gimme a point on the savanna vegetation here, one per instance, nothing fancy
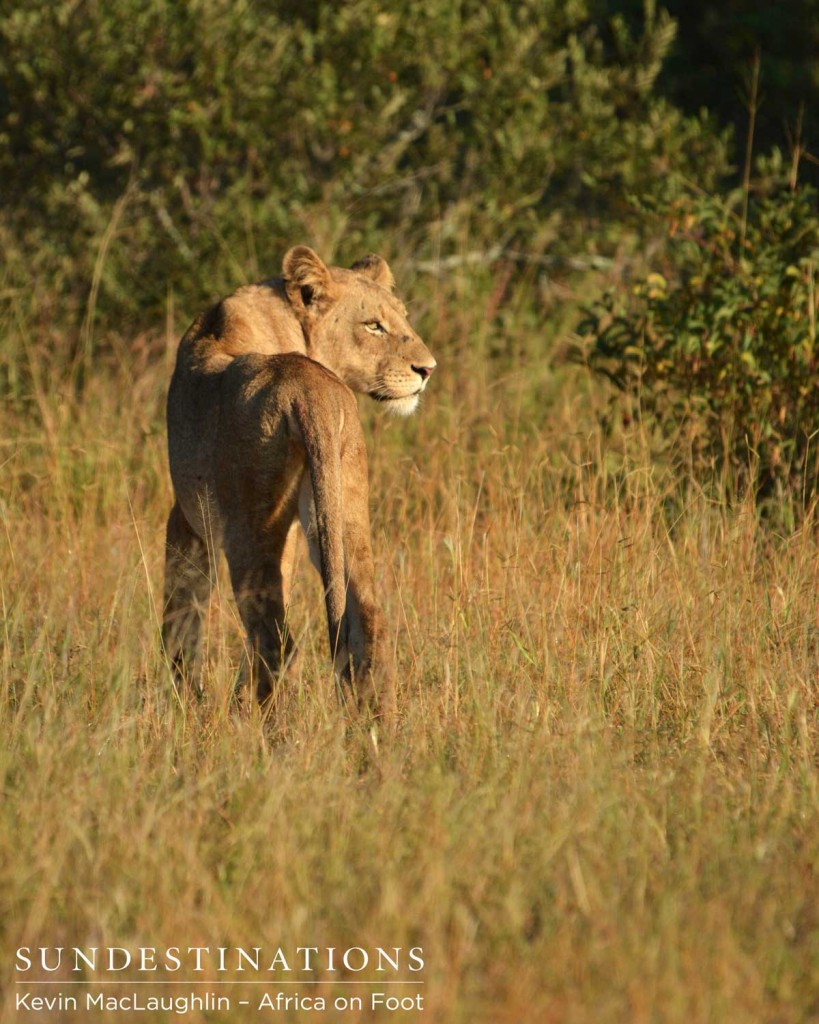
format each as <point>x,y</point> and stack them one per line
<point>596,542</point>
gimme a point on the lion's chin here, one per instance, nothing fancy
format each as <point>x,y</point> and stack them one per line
<point>402,406</point>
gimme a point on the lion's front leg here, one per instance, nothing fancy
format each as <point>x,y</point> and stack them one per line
<point>370,672</point>
<point>362,659</point>
<point>340,651</point>
<point>370,654</point>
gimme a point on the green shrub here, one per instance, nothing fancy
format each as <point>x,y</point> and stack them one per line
<point>721,347</point>
<point>148,146</point>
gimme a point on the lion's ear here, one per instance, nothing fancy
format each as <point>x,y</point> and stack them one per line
<point>376,268</point>
<point>306,276</point>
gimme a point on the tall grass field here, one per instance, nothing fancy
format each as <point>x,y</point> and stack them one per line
<point>600,804</point>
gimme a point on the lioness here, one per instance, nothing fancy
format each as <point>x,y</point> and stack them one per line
<point>263,431</point>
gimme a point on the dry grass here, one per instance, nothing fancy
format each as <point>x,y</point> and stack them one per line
<point>602,802</point>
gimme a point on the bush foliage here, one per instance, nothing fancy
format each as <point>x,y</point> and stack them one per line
<point>188,144</point>
<point>726,352</point>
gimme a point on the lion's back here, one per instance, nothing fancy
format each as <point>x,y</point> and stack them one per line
<point>235,432</point>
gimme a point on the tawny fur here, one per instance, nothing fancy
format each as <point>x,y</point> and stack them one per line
<point>264,434</point>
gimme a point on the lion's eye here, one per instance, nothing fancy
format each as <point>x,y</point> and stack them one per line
<point>375,327</point>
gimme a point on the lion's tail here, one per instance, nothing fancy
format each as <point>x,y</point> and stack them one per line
<point>323,446</point>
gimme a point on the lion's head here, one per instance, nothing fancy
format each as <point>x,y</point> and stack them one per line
<point>357,327</point>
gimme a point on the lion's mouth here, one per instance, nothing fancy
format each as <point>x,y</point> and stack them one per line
<point>399,405</point>
<point>381,397</point>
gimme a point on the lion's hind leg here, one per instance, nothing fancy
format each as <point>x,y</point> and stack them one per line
<point>258,570</point>
<point>188,586</point>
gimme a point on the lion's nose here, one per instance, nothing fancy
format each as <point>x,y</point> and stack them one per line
<point>424,371</point>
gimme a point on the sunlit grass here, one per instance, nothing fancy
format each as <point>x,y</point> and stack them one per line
<point>601,801</point>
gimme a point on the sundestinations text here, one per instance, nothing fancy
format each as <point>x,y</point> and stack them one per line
<point>222,959</point>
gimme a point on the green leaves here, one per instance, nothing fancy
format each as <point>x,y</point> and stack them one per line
<point>731,343</point>
<point>447,125</point>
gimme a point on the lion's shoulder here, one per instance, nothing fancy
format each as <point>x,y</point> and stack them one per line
<point>255,318</point>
